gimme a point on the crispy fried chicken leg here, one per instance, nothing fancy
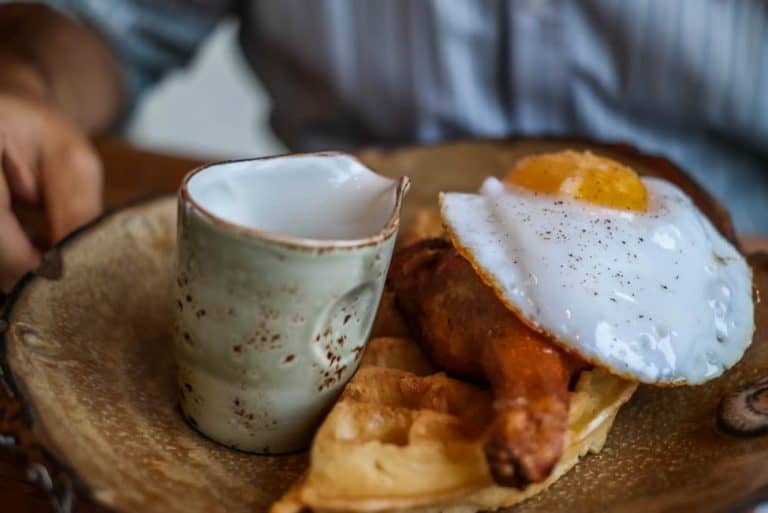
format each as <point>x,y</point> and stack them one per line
<point>468,332</point>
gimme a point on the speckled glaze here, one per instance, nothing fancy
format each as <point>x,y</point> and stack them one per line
<point>269,326</point>
<point>89,409</point>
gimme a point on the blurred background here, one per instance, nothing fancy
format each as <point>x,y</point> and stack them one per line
<point>651,73</point>
<point>230,118</point>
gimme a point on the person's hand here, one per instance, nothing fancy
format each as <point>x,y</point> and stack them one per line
<point>47,162</point>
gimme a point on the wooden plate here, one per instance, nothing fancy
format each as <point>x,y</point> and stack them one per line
<point>90,400</point>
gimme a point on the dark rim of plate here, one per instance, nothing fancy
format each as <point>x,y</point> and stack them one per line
<point>67,492</point>
<point>18,430</point>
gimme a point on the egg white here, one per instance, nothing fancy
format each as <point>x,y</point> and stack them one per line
<point>658,296</point>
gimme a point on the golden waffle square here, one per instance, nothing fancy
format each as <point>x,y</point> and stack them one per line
<point>403,437</point>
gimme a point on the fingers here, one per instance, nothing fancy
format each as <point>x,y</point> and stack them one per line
<point>16,252</point>
<point>17,165</point>
<point>42,157</point>
<point>71,185</point>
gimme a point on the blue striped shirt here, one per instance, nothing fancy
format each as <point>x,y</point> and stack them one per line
<point>684,78</point>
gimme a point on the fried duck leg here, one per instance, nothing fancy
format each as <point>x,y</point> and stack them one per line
<point>467,331</point>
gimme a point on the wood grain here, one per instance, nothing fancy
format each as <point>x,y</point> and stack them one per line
<point>132,173</point>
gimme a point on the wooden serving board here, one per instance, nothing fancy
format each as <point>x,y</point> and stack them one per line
<point>86,353</point>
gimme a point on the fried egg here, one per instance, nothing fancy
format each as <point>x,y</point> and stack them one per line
<point>623,270</point>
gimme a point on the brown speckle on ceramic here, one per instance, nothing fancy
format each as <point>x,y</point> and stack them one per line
<point>187,338</point>
<point>281,308</point>
<point>336,361</point>
<point>110,411</point>
<point>101,375</point>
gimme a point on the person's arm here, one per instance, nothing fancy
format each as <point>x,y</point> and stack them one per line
<point>62,80</point>
<point>48,57</point>
<point>58,83</point>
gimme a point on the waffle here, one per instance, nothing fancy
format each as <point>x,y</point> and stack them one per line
<point>404,437</point>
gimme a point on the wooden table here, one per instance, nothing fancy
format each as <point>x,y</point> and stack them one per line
<point>130,174</point>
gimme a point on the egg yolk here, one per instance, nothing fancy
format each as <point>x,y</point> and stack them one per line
<point>582,176</point>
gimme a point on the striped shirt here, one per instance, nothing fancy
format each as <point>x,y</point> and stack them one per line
<point>684,78</point>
